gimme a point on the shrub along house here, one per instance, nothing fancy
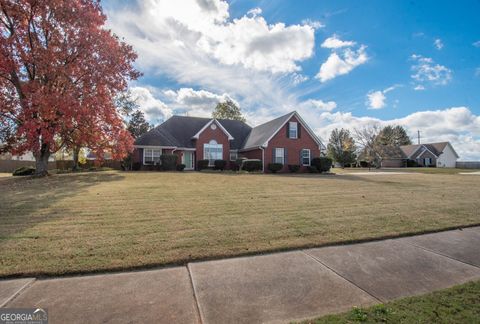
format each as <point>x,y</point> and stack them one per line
<point>287,140</point>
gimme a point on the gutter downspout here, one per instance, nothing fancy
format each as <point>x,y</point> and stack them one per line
<point>175,149</point>
<point>263,158</point>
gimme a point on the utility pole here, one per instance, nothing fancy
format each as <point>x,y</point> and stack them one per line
<point>418,136</point>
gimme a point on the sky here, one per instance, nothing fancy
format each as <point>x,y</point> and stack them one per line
<point>340,64</point>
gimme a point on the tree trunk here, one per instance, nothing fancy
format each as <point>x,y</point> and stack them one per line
<point>41,161</point>
<point>76,154</point>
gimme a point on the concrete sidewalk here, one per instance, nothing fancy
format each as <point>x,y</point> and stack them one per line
<point>278,287</point>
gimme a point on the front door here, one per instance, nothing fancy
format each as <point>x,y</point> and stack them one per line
<point>188,160</point>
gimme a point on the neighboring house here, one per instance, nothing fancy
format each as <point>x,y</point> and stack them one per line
<point>286,140</point>
<point>441,155</point>
<point>27,156</point>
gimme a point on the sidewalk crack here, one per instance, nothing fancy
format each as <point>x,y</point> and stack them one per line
<point>380,300</point>
<point>197,305</point>
<point>18,292</point>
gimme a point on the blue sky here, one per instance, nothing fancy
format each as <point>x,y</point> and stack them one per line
<point>339,63</point>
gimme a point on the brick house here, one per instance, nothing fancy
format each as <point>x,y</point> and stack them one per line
<point>286,140</point>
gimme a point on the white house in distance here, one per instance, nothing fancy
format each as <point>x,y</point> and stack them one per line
<point>441,155</point>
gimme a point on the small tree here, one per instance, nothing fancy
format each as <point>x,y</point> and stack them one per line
<point>368,147</point>
<point>228,110</point>
<point>138,125</point>
<point>341,147</point>
<point>393,135</point>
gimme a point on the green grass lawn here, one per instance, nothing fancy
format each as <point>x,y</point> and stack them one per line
<point>407,170</point>
<point>112,220</point>
<point>460,304</point>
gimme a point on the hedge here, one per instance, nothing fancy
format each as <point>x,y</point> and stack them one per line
<point>169,161</point>
<point>275,167</point>
<point>180,167</point>
<point>293,168</point>
<point>202,164</point>
<point>322,164</point>
<point>219,164</point>
<point>252,165</point>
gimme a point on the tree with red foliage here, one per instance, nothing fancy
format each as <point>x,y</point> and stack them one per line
<point>60,70</point>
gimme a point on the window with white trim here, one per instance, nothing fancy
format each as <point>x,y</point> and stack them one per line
<point>151,156</point>
<point>233,155</point>
<point>280,155</point>
<point>292,130</point>
<point>212,151</point>
<point>305,157</point>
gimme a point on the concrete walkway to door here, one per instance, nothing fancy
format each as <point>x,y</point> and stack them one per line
<point>277,288</point>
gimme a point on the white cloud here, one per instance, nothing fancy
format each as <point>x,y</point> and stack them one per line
<point>199,103</point>
<point>425,70</point>
<point>315,24</point>
<point>318,105</point>
<point>458,125</point>
<point>155,110</point>
<point>335,42</point>
<point>438,44</point>
<point>343,63</point>
<point>419,88</point>
<point>377,99</point>
<point>476,44</point>
<point>198,45</point>
<point>299,78</point>
<point>205,27</point>
<point>254,12</point>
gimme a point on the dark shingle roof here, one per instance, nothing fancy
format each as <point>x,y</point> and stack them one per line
<point>178,131</point>
<point>435,148</point>
<point>260,134</point>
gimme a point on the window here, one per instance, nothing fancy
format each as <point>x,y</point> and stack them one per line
<point>212,151</point>
<point>280,155</point>
<point>293,130</point>
<point>305,157</point>
<point>151,156</point>
<point>233,156</point>
<point>428,161</point>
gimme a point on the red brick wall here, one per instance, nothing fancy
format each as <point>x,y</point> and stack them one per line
<point>216,134</point>
<point>138,155</point>
<point>252,154</point>
<point>293,146</point>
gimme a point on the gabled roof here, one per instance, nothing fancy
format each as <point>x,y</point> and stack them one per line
<point>213,121</point>
<point>181,132</point>
<point>178,131</point>
<point>435,148</point>
<point>262,133</point>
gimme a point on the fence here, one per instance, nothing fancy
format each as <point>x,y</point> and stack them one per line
<point>11,165</point>
<point>468,165</point>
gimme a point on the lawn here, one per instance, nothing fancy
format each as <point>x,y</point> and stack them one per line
<point>112,220</point>
<point>459,304</point>
<point>407,170</point>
